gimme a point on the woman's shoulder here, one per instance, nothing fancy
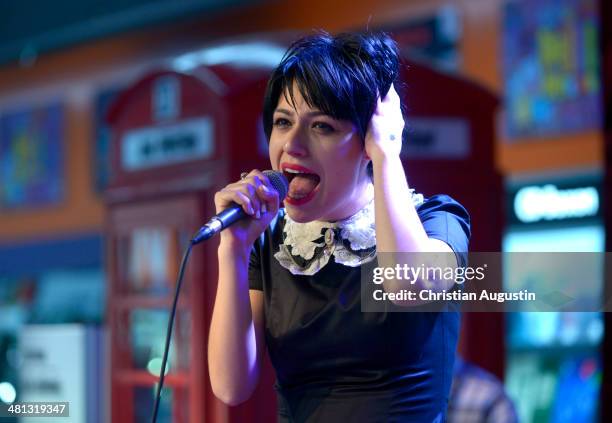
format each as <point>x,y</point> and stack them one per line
<point>446,219</point>
<point>442,203</point>
<point>438,199</point>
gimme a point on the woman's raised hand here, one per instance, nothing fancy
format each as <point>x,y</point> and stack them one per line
<point>258,199</point>
<point>384,135</point>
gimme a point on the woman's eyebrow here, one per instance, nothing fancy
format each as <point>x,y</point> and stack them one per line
<point>284,111</point>
<point>309,114</point>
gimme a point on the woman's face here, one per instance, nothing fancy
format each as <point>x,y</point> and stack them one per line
<point>322,158</point>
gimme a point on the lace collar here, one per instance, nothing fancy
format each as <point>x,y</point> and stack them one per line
<point>307,247</point>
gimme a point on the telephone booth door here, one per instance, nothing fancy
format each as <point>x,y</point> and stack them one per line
<point>177,139</point>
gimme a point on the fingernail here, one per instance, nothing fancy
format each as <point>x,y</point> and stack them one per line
<point>251,211</point>
<point>257,215</point>
<point>264,209</point>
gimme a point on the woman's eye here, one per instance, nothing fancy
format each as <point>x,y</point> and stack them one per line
<point>325,127</point>
<point>281,122</point>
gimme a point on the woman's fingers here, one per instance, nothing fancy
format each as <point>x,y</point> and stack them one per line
<point>269,198</point>
<point>250,189</point>
<point>252,182</point>
<point>253,192</point>
<point>255,173</point>
<point>392,95</point>
<point>390,108</point>
<point>228,195</point>
<point>386,125</point>
<point>267,195</point>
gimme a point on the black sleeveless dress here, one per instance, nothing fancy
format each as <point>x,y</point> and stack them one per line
<point>335,363</point>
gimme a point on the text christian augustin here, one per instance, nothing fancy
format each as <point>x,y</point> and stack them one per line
<point>429,276</point>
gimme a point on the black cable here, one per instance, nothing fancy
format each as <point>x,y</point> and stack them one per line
<point>169,332</point>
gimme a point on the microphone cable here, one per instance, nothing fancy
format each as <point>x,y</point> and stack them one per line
<point>169,331</point>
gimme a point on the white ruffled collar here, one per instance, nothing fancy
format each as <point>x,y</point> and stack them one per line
<point>307,247</point>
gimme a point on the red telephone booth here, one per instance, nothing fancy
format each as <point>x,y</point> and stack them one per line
<point>450,144</point>
<point>177,139</point>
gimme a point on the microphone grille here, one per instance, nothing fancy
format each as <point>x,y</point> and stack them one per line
<point>279,182</point>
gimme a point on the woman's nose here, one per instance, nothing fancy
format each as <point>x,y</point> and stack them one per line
<point>295,144</point>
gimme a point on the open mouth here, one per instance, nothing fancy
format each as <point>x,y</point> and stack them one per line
<point>303,183</point>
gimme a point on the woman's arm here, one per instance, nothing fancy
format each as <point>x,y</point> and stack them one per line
<point>398,227</point>
<point>236,343</point>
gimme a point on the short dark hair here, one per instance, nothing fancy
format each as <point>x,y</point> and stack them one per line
<point>340,75</point>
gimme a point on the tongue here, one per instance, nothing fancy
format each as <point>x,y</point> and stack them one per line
<point>302,185</point>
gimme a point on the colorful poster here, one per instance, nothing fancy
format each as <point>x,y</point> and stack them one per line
<point>551,67</point>
<point>31,157</point>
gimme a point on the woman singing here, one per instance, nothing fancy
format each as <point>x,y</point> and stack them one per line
<point>289,279</point>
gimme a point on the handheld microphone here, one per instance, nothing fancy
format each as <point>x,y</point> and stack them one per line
<point>235,212</point>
